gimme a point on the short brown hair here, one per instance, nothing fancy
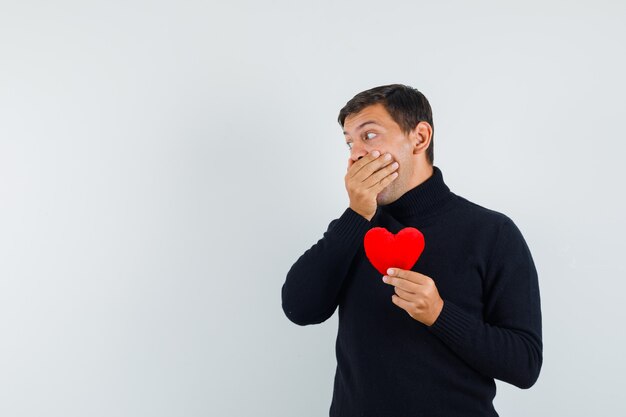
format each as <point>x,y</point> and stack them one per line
<point>406,106</point>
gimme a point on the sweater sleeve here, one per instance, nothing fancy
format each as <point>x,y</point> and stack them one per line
<point>311,289</point>
<point>507,344</point>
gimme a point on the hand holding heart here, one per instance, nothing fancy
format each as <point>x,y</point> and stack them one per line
<point>416,293</point>
<point>396,254</point>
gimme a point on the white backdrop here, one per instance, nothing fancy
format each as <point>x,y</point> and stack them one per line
<point>163,164</point>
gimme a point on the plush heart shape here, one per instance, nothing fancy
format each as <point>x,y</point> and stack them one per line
<point>385,250</point>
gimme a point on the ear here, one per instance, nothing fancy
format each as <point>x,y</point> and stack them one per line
<point>421,136</point>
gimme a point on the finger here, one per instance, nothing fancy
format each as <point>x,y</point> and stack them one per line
<point>373,166</point>
<point>402,303</point>
<point>361,163</point>
<point>408,275</point>
<point>405,295</point>
<point>380,185</point>
<point>381,174</point>
<point>364,160</point>
<point>404,284</point>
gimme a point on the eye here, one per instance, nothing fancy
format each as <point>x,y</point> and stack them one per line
<point>367,135</point>
<point>349,144</point>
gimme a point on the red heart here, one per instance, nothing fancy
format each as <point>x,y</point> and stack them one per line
<point>384,249</point>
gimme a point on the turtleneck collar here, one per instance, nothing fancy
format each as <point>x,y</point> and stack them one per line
<point>421,200</point>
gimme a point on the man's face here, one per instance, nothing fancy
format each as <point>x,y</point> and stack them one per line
<point>373,129</point>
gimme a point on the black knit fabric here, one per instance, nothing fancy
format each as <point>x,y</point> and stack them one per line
<point>391,365</point>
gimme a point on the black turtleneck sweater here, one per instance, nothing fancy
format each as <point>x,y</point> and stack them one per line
<point>391,365</point>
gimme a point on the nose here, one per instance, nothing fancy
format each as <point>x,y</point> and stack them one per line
<point>359,150</point>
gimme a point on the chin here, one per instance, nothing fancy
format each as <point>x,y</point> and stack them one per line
<point>383,198</point>
<point>387,195</point>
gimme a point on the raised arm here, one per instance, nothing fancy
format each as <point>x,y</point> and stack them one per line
<point>310,292</point>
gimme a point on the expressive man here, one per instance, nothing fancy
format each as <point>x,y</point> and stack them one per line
<point>428,341</point>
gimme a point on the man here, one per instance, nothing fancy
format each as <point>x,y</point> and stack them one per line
<point>431,340</point>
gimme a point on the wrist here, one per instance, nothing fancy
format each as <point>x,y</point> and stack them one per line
<point>437,311</point>
<point>367,216</point>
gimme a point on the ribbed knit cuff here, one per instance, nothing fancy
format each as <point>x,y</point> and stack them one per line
<point>351,226</point>
<point>453,326</point>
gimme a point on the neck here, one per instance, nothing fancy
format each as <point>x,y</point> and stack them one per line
<point>420,174</point>
<point>426,197</point>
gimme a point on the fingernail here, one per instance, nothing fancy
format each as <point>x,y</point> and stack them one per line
<point>390,271</point>
<point>375,154</point>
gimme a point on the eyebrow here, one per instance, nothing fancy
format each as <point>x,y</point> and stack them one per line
<point>363,124</point>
